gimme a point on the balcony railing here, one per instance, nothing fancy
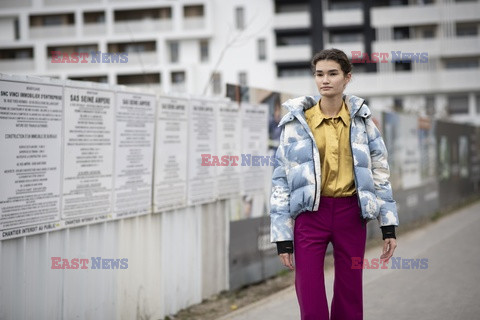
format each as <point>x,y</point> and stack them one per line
<point>444,47</point>
<point>194,23</point>
<point>397,83</point>
<point>343,17</point>
<point>138,26</point>
<point>291,20</point>
<point>142,58</point>
<point>14,65</point>
<point>52,32</point>
<point>91,29</point>
<point>293,53</point>
<point>420,82</point>
<point>66,2</point>
<point>424,14</point>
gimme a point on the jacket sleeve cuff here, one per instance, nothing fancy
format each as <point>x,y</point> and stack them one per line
<point>284,247</point>
<point>388,232</point>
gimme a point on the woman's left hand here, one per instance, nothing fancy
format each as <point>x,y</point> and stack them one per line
<point>389,246</point>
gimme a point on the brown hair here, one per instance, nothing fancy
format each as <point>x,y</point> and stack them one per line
<point>332,54</point>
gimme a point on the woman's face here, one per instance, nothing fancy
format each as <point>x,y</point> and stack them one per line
<point>330,79</point>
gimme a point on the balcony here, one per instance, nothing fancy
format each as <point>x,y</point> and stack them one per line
<point>147,58</point>
<point>194,23</point>
<point>445,47</point>
<point>4,4</point>
<point>378,84</point>
<point>71,67</point>
<point>372,84</point>
<point>17,65</point>
<point>46,32</point>
<point>424,14</point>
<point>293,53</point>
<point>92,29</point>
<point>348,17</point>
<point>178,88</point>
<point>292,20</point>
<point>67,2</point>
<point>142,26</point>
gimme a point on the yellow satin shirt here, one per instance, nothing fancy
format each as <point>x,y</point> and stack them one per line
<point>332,136</point>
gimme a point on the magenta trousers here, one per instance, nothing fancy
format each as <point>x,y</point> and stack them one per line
<point>338,220</point>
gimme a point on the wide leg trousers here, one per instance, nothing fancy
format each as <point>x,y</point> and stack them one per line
<point>338,220</point>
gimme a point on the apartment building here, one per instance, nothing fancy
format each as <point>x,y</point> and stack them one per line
<point>173,46</point>
<point>446,32</point>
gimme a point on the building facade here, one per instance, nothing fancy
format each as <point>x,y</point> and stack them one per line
<point>171,46</point>
<point>437,41</point>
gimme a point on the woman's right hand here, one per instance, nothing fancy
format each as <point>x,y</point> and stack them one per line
<point>287,260</point>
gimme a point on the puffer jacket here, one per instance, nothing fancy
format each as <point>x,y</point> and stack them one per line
<point>296,179</point>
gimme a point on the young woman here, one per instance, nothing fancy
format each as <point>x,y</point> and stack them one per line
<point>330,179</point>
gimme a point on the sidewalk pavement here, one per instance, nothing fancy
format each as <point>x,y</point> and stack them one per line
<point>447,289</point>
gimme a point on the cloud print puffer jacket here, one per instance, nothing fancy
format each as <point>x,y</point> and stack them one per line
<point>296,179</point>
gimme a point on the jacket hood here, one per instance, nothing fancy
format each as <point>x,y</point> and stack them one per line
<point>298,106</point>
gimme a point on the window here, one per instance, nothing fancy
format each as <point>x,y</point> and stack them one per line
<point>299,6</point>
<point>262,49</point>
<point>242,78</point>
<point>395,3</point>
<point>100,79</point>
<point>424,32</point>
<point>178,80</point>
<point>403,66</point>
<point>457,104</point>
<point>467,29</point>
<point>461,63</point>
<point>240,18</point>
<point>17,53</point>
<point>345,5</point>
<point>52,20</point>
<point>217,83</point>
<point>147,46</point>
<point>174,48</point>
<point>293,38</point>
<point>17,29</point>
<point>143,14</point>
<point>195,11</point>
<point>142,78</point>
<point>70,49</point>
<point>400,33</point>
<point>397,104</point>
<point>94,17</point>
<point>430,105</point>
<point>204,50</point>
<point>178,77</point>
<point>344,37</point>
<point>428,34</point>
<point>478,104</point>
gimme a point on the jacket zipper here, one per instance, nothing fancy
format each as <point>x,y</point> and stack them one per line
<point>353,162</point>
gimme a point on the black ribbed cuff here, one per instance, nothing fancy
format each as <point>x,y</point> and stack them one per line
<point>285,247</point>
<point>388,232</point>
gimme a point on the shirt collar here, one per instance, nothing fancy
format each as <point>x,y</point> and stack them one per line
<point>317,117</point>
